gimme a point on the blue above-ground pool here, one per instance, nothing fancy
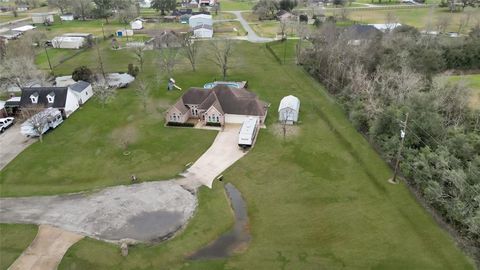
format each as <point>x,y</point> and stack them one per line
<point>213,84</point>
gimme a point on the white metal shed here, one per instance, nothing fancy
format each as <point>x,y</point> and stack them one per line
<point>68,42</point>
<point>289,109</point>
<point>136,25</point>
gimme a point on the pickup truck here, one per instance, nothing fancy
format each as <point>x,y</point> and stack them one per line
<point>5,123</point>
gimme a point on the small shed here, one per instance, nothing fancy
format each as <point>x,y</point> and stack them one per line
<point>289,109</point>
<point>203,31</point>
<point>136,24</point>
<point>68,42</point>
<point>185,18</point>
<point>42,18</point>
<point>66,17</point>
<point>124,33</point>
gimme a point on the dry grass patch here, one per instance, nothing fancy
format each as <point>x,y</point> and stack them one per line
<point>124,136</point>
<point>291,131</point>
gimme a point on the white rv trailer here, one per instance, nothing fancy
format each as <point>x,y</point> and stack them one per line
<point>247,133</point>
<point>49,118</point>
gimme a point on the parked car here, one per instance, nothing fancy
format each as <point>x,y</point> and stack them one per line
<point>6,123</point>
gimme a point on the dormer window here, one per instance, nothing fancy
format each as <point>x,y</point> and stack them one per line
<point>34,98</point>
<point>51,97</point>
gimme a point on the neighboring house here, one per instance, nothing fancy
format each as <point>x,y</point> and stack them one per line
<point>3,111</point>
<point>359,33</point>
<point>23,29</point>
<point>136,24</point>
<point>62,98</point>
<point>221,104</point>
<point>12,106</point>
<point>283,15</point>
<point>42,18</point>
<point>83,91</point>
<point>7,35</point>
<point>22,8</point>
<point>200,19</point>
<point>288,110</point>
<point>203,31</point>
<point>385,27</point>
<point>67,17</point>
<point>68,42</point>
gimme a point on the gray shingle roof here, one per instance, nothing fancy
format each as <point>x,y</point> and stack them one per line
<point>79,86</point>
<point>42,92</point>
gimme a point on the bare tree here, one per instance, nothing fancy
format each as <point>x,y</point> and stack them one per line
<point>37,121</point>
<point>62,5</point>
<point>464,21</point>
<point>283,28</point>
<point>104,93</point>
<point>143,92</point>
<point>83,8</point>
<point>390,20</point>
<point>302,31</point>
<point>19,71</point>
<point>191,49</point>
<point>140,56</point>
<point>442,23</point>
<point>222,50</point>
<point>168,47</point>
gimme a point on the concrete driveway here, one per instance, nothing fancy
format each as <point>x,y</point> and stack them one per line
<point>222,154</point>
<point>12,143</point>
<point>252,36</point>
<point>46,250</point>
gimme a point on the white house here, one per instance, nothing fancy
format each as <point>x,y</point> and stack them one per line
<point>68,42</point>
<point>288,110</point>
<point>62,98</point>
<point>203,31</point>
<point>200,19</point>
<point>136,24</point>
<point>42,18</point>
<point>66,17</point>
<point>83,91</point>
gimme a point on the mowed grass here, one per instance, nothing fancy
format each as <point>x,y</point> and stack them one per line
<point>318,200</point>
<point>13,241</point>
<point>229,5</point>
<point>422,18</point>
<point>473,82</point>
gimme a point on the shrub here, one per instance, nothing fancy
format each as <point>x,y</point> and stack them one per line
<point>177,124</point>
<point>133,70</point>
<point>213,124</point>
<point>82,73</point>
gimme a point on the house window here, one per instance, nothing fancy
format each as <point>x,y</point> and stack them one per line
<point>34,98</point>
<point>218,119</point>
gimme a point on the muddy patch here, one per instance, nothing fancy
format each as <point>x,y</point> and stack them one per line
<point>235,240</point>
<point>290,132</point>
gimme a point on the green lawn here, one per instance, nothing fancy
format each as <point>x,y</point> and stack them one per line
<point>420,17</point>
<point>227,5</point>
<point>9,17</point>
<point>228,29</point>
<point>13,241</point>
<point>318,200</point>
<point>473,82</point>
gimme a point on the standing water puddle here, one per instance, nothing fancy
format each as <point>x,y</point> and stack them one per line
<point>234,239</point>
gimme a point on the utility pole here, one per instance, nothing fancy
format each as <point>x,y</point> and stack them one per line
<point>103,31</point>
<point>399,154</point>
<point>48,59</point>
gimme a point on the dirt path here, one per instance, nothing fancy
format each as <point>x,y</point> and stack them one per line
<point>221,155</point>
<point>46,250</point>
<point>12,143</point>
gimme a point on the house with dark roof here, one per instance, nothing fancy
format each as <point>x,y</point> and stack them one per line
<point>220,104</point>
<point>66,99</point>
<point>360,33</point>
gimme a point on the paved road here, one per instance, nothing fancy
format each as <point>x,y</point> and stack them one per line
<point>46,250</point>
<point>252,36</point>
<point>12,143</point>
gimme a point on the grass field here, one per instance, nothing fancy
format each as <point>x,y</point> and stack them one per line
<point>317,199</point>
<point>5,17</point>
<point>227,5</point>
<point>420,17</point>
<point>228,29</point>
<point>473,81</point>
<point>13,241</point>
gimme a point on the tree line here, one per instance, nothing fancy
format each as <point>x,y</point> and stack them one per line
<point>385,77</point>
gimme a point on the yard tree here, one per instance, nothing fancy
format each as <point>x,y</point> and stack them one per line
<point>103,92</point>
<point>103,9</point>
<point>140,56</point>
<point>36,120</point>
<point>62,5</point>
<point>266,9</point>
<point>82,8</point>
<point>222,51</point>
<point>82,73</point>
<point>167,46</point>
<point>287,5</point>
<point>191,48</point>
<point>101,67</point>
<point>143,93</point>
<point>19,71</point>
<point>127,14</point>
<point>164,5</point>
